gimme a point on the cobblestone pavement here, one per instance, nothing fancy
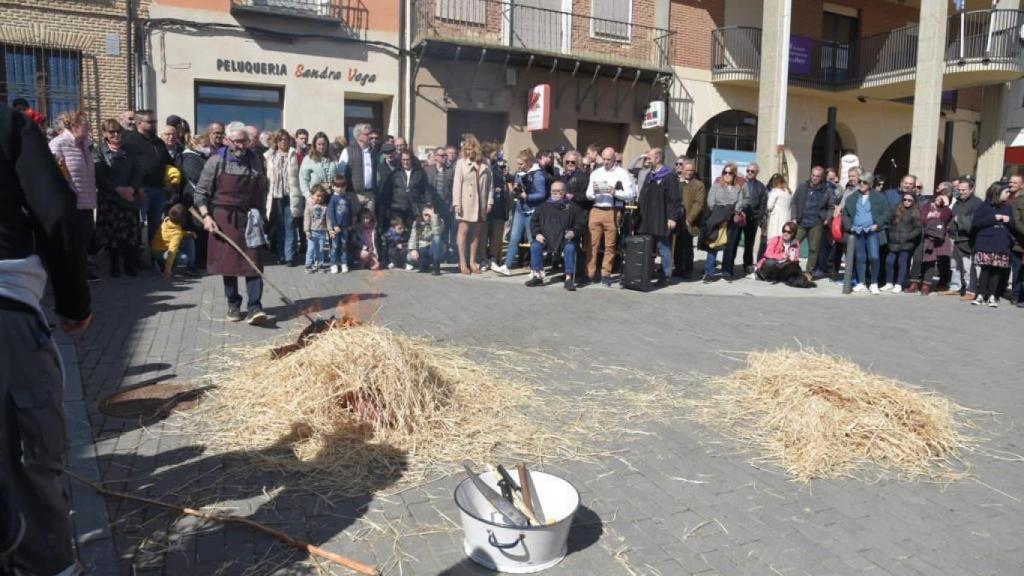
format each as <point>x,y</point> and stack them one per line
<point>679,500</point>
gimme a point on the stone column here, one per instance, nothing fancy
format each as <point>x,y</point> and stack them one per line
<point>774,83</point>
<point>992,135</point>
<point>931,65</point>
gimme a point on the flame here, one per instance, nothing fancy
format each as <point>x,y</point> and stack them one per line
<point>348,310</point>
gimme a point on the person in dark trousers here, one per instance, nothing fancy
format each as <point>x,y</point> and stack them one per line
<point>694,198</point>
<point>38,239</point>
<point>555,227</point>
<point>812,207</point>
<point>1018,227</point>
<point>232,185</point>
<point>964,276</point>
<point>151,154</point>
<point>992,231</point>
<point>119,189</point>
<point>757,208</point>
<point>576,177</point>
<point>660,212</point>
<point>439,177</point>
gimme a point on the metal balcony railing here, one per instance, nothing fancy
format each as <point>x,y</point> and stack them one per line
<point>329,10</point>
<point>974,41</point>
<point>509,24</point>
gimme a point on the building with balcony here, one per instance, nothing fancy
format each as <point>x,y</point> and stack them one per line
<point>909,85</point>
<point>315,64</point>
<point>475,63</point>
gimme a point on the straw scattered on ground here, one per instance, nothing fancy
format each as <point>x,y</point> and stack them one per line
<point>362,409</point>
<point>817,415</point>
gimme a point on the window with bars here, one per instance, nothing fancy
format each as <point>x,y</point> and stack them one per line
<point>465,11</point>
<point>612,19</point>
<point>50,79</point>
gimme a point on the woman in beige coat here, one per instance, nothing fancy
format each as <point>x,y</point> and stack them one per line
<point>471,200</point>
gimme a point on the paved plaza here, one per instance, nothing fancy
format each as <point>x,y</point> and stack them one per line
<point>672,498</point>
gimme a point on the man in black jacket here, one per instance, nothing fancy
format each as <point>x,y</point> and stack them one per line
<point>555,226</point>
<point>964,275</point>
<point>660,208</point>
<point>577,178</point>
<point>151,154</point>
<point>37,229</point>
<point>407,189</point>
<point>757,214</point>
<point>811,210</point>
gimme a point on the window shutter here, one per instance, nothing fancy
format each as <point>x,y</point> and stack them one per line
<point>612,18</point>
<point>467,11</point>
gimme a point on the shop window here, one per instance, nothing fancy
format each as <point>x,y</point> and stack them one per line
<point>730,130</point>
<point>611,19</point>
<point>363,112</point>
<point>464,11</point>
<point>49,79</point>
<point>259,106</point>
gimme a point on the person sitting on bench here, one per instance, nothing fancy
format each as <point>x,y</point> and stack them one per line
<point>556,226</point>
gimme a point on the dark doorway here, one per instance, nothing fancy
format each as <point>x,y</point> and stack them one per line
<point>819,152</point>
<point>363,112</point>
<point>484,125</point>
<point>730,130</point>
<point>602,133</point>
<point>895,162</point>
<point>839,35</point>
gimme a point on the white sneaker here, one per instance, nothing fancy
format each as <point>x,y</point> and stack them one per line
<point>874,289</point>
<point>503,270</point>
<point>860,288</point>
<point>886,287</point>
<point>408,267</point>
<point>344,268</point>
<point>992,302</point>
<point>897,289</point>
<point>334,268</point>
<point>391,265</point>
<point>978,301</point>
<point>484,266</point>
<point>494,265</point>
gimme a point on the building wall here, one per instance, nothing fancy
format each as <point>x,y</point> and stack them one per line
<point>443,86</point>
<point>179,59</point>
<point>868,128</point>
<point>693,21</point>
<point>876,16</point>
<point>81,27</point>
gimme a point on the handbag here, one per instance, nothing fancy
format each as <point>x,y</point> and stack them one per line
<point>721,238</point>
<point>837,229</point>
<point>934,230</point>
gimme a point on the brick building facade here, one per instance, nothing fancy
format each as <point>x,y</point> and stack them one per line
<point>64,55</point>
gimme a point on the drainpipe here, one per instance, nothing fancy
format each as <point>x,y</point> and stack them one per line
<point>129,52</point>
<point>403,67</point>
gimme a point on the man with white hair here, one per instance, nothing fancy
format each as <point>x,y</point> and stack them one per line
<point>233,183</point>
<point>360,164</point>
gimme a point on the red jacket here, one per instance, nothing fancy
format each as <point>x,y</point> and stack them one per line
<point>777,250</point>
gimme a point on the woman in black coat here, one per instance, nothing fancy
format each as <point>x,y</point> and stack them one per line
<point>992,230</point>
<point>118,186</point>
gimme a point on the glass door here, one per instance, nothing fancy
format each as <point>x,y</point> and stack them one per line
<point>839,37</point>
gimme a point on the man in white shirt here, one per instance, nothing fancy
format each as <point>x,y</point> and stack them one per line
<point>362,175</point>
<point>610,187</point>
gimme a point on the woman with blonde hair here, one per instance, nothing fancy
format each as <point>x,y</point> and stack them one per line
<point>472,200</point>
<point>72,149</point>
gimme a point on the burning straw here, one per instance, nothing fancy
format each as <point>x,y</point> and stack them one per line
<point>359,408</point>
<point>821,416</point>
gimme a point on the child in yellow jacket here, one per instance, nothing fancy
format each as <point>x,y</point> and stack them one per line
<point>173,243</point>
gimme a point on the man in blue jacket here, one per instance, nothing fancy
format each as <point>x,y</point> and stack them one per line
<point>532,186</point>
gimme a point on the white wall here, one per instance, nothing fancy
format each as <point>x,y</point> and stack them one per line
<point>178,59</point>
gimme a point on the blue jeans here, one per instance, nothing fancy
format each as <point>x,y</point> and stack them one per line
<point>520,230</point>
<point>186,254</point>
<point>253,289</point>
<point>285,232</point>
<point>428,256</point>
<point>156,202</point>
<point>866,247</point>
<point>897,275</point>
<point>339,248</point>
<point>710,262</point>
<point>664,245</point>
<point>568,257</point>
<point>729,258</point>
<point>315,242</point>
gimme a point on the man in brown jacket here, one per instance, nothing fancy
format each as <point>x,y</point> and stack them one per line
<point>694,199</point>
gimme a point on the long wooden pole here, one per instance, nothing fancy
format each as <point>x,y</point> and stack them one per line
<point>289,540</point>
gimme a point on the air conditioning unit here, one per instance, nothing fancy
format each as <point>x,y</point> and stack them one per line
<point>511,77</point>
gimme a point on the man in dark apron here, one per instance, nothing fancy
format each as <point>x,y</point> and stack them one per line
<point>232,184</point>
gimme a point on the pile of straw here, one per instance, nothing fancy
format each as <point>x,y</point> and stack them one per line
<point>361,408</point>
<point>820,416</point>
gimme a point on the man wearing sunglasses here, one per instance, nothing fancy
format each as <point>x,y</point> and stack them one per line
<point>812,209</point>
<point>577,177</point>
<point>757,209</point>
<point>233,183</point>
<point>152,158</point>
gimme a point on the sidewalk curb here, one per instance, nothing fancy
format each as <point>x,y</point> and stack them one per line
<point>93,539</point>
